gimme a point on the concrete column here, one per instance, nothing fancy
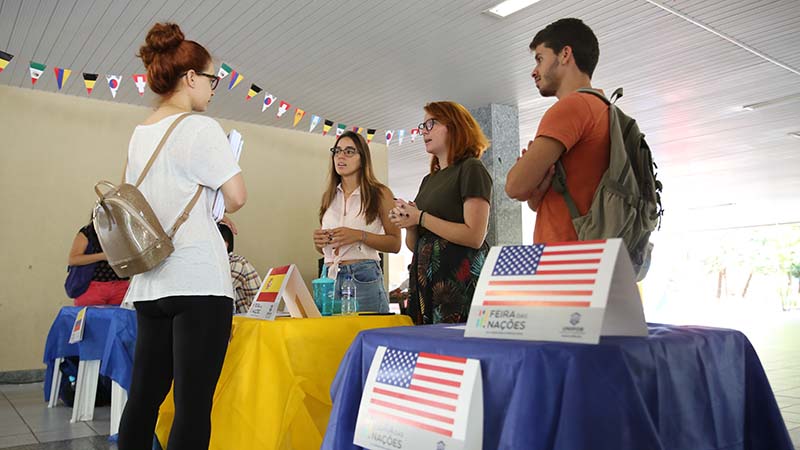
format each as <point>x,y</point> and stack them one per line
<point>500,124</point>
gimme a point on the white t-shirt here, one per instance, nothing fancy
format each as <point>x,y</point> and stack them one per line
<point>196,153</point>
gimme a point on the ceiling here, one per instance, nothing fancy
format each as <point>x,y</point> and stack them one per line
<point>687,67</point>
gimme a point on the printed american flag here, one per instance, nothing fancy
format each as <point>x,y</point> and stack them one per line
<point>419,389</point>
<point>559,274</point>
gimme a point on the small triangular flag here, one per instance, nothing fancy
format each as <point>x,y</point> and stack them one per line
<point>370,134</point>
<point>340,129</point>
<point>414,133</point>
<point>113,84</point>
<point>5,58</point>
<point>89,79</point>
<point>236,78</point>
<point>254,90</point>
<point>389,134</point>
<point>314,122</point>
<point>298,116</point>
<point>62,75</point>
<point>283,108</point>
<point>400,134</point>
<point>140,80</point>
<point>360,130</point>
<point>269,99</point>
<point>37,70</point>
<point>224,71</point>
<point>327,126</point>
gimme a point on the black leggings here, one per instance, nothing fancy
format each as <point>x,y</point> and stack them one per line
<point>182,337</point>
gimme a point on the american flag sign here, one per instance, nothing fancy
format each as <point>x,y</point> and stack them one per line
<point>559,274</point>
<point>421,390</point>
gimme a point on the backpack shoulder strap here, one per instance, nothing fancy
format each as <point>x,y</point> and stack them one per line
<point>185,213</point>
<point>560,186</point>
<point>596,93</point>
<point>614,97</point>
<point>157,151</point>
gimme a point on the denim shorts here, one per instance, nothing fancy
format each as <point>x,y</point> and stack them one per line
<point>368,279</point>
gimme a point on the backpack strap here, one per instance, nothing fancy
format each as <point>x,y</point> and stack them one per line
<point>156,152</point>
<point>185,213</point>
<point>560,178</point>
<point>614,97</point>
<point>560,186</point>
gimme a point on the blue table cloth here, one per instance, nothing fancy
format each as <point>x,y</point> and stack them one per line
<point>109,335</point>
<point>681,388</point>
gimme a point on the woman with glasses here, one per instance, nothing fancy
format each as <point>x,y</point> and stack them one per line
<point>355,226</point>
<point>183,305</point>
<point>447,222</point>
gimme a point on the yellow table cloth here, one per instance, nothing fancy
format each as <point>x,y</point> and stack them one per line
<point>274,389</point>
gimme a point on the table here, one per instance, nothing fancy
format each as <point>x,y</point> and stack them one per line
<point>273,392</point>
<point>107,346</point>
<point>681,388</point>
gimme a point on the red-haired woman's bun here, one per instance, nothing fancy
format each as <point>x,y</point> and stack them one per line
<point>162,38</point>
<point>167,55</point>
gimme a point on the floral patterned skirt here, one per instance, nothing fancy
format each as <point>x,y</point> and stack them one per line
<point>442,279</point>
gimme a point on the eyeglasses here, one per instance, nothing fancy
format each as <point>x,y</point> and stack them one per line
<point>427,125</point>
<point>214,79</point>
<point>348,151</point>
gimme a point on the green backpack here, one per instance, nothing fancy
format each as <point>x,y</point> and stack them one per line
<point>627,203</point>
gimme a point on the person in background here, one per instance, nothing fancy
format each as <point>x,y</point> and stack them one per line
<point>184,305</point>
<point>355,226</point>
<point>105,288</point>
<point>244,276</point>
<point>446,224</point>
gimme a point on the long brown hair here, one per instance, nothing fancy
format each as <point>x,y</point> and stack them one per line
<point>371,188</point>
<point>464,136</point>
<point>167,55</point>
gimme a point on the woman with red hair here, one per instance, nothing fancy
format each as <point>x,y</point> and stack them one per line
<point>183,305</point>
<point>446,223</point>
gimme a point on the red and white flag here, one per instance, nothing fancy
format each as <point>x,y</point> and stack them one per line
<point>140,80</point>
<point>283,108</point>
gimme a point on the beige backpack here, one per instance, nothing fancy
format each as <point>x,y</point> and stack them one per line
<point>128,230</point>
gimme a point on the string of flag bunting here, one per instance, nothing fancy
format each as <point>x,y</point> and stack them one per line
<point>234,78</point>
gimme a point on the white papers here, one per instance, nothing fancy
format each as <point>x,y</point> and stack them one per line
<point>236,141</point>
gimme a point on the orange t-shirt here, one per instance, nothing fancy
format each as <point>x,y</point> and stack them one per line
<point>580,122</point>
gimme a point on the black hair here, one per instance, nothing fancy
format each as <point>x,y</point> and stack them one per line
<point>227,234</point>
<point>574,33</point>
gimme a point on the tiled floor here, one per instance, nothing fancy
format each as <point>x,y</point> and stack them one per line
<point>27,424</point>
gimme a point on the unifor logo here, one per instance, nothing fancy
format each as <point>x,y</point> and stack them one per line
<point>440,445</point>
<point>574,318</point>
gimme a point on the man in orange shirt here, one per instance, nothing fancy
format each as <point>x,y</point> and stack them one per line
<point>575,129</point>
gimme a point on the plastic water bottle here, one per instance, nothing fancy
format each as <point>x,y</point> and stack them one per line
<point>348,296</point>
